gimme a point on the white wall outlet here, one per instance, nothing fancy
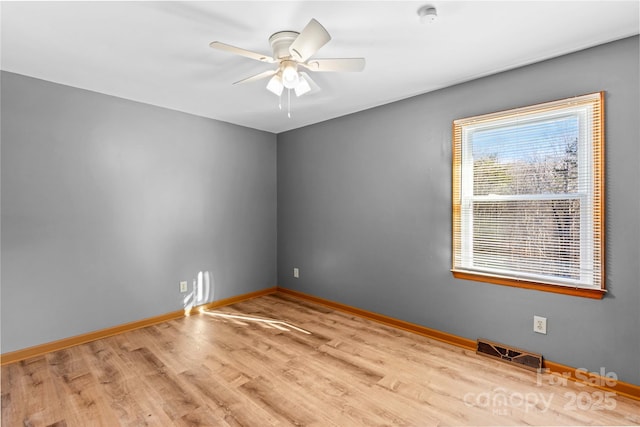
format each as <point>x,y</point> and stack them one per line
<point>540,324</point>
<point>184,287</point>
<point>296,272</point>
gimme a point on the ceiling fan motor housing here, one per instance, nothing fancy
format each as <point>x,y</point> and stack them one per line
<point>280,43</point>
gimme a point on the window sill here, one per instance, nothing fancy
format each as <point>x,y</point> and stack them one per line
<point>566,290</point>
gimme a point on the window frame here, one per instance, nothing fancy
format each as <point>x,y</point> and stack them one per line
<point>594,229</point>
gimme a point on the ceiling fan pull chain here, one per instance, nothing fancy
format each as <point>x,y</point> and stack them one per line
<point>280,101</point>
<point>289,103</point>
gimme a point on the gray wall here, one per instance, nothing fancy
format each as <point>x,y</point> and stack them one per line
<point>364,212</point>
<point>107,204</point>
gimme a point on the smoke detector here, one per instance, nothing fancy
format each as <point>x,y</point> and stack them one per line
<point>427,14</point>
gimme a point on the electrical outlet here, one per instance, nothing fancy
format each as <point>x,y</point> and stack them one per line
<point>296,272</point>
<point>184,286</point>
<point>540,324</point>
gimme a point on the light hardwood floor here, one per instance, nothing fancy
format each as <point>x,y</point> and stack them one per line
<point>319,367</point>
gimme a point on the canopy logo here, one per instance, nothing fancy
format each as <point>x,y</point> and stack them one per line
<point>504,402</point>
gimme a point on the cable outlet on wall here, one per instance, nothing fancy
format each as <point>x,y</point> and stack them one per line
<point>296,272</point>
<point>540,324</point>
<point>184,286</point>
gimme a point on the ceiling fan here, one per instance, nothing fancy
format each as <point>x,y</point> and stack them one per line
<point>291,52</point>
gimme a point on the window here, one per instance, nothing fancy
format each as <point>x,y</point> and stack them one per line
<point>528,195</point>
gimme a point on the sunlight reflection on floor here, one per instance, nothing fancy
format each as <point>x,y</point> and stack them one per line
<point>278,324</point>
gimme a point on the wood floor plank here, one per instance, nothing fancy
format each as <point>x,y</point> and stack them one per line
<point>225,400</point>
<point>38,401</point>
<point>279,361</point>
<point>119,385</point>
<point>14,398</point>
<point>80,387</point>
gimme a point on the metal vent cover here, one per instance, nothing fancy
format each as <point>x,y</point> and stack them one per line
<point>516,356</point>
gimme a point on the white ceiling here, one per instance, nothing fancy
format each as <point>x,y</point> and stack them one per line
<point>158,52</point>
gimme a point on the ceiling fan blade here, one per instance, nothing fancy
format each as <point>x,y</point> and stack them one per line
<point>310,40</point>
<point>242,52</point>
<point>338,64</point>
<point>257,77</point>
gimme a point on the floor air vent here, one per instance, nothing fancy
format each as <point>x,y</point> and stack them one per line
<point>512,355</point>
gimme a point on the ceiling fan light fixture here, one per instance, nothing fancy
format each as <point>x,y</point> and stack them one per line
<point>290,77</point>
<point>275,85</point>
<point>303,86</point>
